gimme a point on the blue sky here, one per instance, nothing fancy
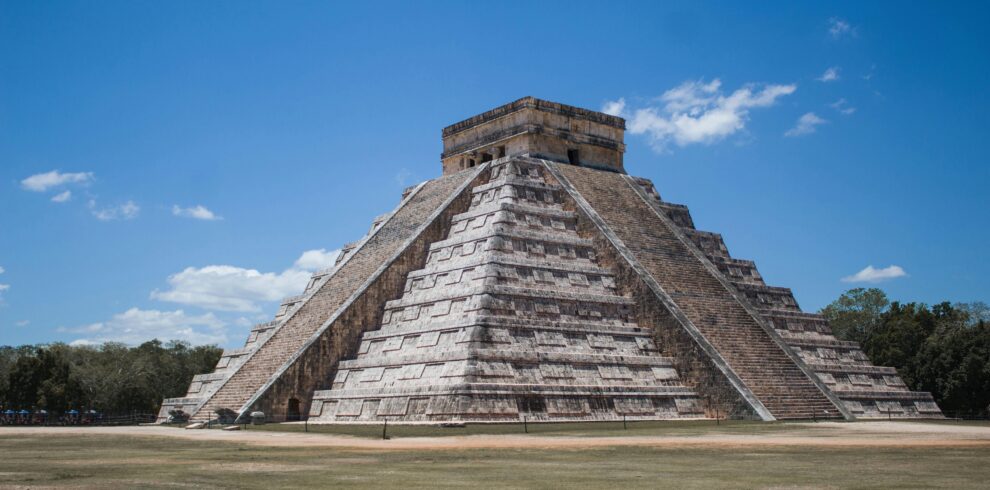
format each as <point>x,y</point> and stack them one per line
<point>216,152</point>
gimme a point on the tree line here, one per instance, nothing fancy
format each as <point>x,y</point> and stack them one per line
<point>111,378</point>
<point>943,349</point>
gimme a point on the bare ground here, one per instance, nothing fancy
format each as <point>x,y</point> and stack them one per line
<point>823,434</point>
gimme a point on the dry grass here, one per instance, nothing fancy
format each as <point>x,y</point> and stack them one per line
<point>90,460</point>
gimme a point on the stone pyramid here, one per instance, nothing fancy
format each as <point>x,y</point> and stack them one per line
<point>535,279</point>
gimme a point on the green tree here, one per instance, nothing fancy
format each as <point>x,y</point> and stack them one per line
<point>24,379</point>
<point>112,378</point>
<point>856,313</point>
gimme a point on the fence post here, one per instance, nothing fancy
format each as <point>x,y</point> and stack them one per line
<point>525,427</point>
<point>385,429</point>
<point>624,422</point>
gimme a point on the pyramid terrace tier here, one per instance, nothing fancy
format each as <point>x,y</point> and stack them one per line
<point>550,387</point>
<point>508,266</point>
<point>495,325</point>
<point>524,215</point>
<point>512,240</point>
<point>458,346</point>
<point>885,404</point>
<point>517,189</point>
<point>600,343</point>
<point>495,403</point>
<point>765,297</point>
<point>738,271</point>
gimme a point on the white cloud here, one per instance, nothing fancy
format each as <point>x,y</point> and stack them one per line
<point>23,323</point>
<point>196,212</point>
<point>839,28</point>
<point>230,288</point>
<point>615,107</point>
<point>697,112</point>
<point>314,260</point>
<point>2,270</point>
<point>806,124</point>
<point>135,326</point>
<point>4,287</point>
<point>128,210</point>
<point>62,197</point>
<point>843,107</point>
<point>48,180</point>
<point>870,274</point>
<point>830,75</point>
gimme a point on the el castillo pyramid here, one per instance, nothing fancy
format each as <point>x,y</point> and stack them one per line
<point>536,279</point>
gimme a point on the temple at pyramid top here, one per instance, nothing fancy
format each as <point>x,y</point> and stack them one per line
<point>539,128</point>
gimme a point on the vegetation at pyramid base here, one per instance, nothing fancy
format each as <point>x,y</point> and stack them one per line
<point>943,349</point>
<point>111,378</point>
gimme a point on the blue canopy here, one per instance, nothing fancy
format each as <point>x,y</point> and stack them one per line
<point>24,412</point>
<point>73,412</point>
<point>9,412</point>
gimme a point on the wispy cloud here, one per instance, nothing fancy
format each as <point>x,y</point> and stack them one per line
<point>125,211</point>
<point>839,28</point>
<point>196,212</point>
<point>870,74</point>
<point>843,107</point>
<point>402,177</point>
<point>696,112</point>
<point>806,124</point>
<point>3,287</point>
<point>23,323</point>
<point>873,275</point>
<point>2,270</point>
<point>48,180</point>
<point>230,288</point>
<point>831,74</point>
<point>62,197</point>
<point>135,326</point>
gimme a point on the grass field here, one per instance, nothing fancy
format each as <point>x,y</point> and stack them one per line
<point>96,460</point>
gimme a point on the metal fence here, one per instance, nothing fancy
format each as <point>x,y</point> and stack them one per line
<point>73,417</point>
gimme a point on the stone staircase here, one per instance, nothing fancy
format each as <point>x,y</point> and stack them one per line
<point>309,313</point>
<point>750,350</point>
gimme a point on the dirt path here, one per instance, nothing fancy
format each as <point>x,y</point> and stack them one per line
<point>860,434</point>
